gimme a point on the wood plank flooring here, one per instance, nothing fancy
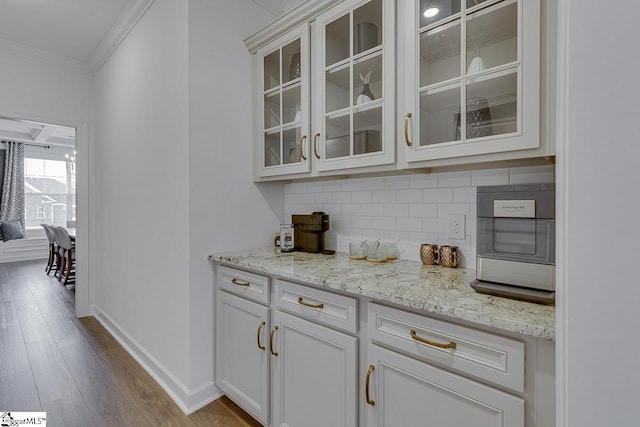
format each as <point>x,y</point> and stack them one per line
<point>74,369</point>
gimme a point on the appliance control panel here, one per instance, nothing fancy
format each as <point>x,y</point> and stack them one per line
<point>514,208</point>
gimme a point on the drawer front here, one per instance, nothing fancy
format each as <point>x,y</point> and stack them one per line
<point>480,354</point>
<point>317,305</point>
<point>248,285</point>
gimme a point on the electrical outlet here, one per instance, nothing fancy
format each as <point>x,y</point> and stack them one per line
<point>457,226</point>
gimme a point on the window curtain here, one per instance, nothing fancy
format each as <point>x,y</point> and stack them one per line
<point>12,195</point>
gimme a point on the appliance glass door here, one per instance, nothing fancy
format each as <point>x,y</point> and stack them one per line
<point>517,239</point>
<point>514,236</point>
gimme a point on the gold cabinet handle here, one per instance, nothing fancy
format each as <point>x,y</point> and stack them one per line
<point>260,346</point>
<point>315,145</point>
<point>406,129</point>
<point>235,282</point>
<point>273,331</point>
<point>302,147</point>
<point>306,304</point>
<point>366,388</point>
<point>433,343</point>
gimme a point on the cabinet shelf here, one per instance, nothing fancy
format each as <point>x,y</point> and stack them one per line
<point>368,53</point>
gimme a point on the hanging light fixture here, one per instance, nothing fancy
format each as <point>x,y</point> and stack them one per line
<point>71,163</point>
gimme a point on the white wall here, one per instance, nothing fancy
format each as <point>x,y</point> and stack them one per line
<point>227,211</point>
<point>142,189</point>
<point>599,180</point>
<point>174,182</point>
<point>33,86</point>
<point>412,209</point>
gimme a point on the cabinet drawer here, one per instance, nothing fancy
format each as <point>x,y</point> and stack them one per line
<point>249,285</point>
<point>480,354</point>
<point>317,305</point>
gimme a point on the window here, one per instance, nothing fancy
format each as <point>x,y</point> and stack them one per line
<point>49,191</point>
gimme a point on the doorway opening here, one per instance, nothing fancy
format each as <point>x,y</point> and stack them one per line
<point>48,175</point>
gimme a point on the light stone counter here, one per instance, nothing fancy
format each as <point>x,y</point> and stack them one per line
<point>433,289</point>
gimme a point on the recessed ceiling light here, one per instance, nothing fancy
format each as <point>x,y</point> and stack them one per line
<point>431,12</point>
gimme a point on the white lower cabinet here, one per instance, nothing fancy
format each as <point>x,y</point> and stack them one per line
<point>314,374</point>
<point>293,355</point>
<point>242,360</point>
<point>283,369</point>
<point>409,393</point>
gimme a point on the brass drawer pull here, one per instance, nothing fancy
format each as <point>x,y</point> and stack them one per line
<point>302,147</point>
<point>433,343</point>
<point>306,304</point>
<point>315,145</point>
<point>235,282</point>
<point>406,129</point>
<point>260,346</point>
<point>366,388</point>
<point>273,331</point>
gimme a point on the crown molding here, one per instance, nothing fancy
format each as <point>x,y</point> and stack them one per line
<point>123,25</point>
<point>18,49</point>
<point>290,20</point>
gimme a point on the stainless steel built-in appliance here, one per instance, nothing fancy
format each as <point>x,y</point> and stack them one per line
<point>516,241</point>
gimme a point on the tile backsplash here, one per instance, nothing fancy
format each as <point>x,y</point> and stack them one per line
<point>412,209</point>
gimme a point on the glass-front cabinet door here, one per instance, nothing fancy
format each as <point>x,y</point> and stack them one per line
<point>354,95</point>
<point>282,105</point>
<point>472,77</point>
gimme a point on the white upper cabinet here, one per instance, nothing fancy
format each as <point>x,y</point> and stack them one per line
<point>354,85</point>
<point>281,127</point>
<point>470,77</point>
<point>349,86</point>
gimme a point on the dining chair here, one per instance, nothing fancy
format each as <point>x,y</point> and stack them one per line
<point>53,250</point>
<point>68,254</point>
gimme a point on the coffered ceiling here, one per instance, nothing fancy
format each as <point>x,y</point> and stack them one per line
<point>36,133</point>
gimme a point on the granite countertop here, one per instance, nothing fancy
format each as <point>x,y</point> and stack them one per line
<point>433,289</point>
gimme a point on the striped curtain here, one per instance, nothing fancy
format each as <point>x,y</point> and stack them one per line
<point>12,194</point>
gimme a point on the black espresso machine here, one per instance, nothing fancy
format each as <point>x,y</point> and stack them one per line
<point>309,231</point>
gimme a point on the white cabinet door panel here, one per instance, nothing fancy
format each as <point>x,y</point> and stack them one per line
<point>471,79</point>
<point>410,393</point>
<point>314,375</point>
<point>241,365</point>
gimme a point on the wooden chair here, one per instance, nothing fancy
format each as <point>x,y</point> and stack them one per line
<point>68,255</point>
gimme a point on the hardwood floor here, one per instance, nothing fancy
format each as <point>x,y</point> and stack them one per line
<point>74,369</point>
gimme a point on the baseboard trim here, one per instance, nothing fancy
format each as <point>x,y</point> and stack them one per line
<point>187,400</point>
